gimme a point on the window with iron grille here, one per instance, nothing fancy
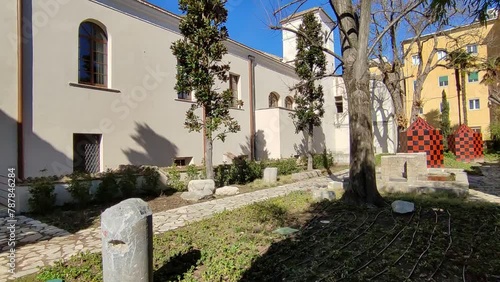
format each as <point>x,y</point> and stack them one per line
<point>92,55</point>
<point>87,153</point>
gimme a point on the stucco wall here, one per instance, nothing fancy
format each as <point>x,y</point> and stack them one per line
<point>143,123</point>
<point>9,91</point>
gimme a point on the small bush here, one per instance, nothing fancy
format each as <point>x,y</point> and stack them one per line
<point>222,175</point>
<point>151,184</point>
<point>324,160</point>
<point>192,173</point>
<point>285,166</point>
<point>79,188</point>
<point>43,198</point>
<point>241,171</point>
<point>174,179</point>
<point>128,183</point>
<point>108,189</point>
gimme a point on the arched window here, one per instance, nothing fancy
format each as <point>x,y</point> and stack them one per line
<point>92,55</point>
<point>273,100</point>
<point>289,103</point>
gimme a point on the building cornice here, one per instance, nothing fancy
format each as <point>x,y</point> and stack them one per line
<point>159,17</point>
<point>451,30</point>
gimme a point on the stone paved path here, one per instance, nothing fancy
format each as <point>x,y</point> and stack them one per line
<point>42,253</point>
<point>487,185</point>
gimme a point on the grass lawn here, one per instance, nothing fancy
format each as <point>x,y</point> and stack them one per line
<point>446,239</point>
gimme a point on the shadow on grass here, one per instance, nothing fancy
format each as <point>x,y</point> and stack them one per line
<point>444,240</point>
<point>177,266</point>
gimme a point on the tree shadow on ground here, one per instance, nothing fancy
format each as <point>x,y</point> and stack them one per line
<point>340,242</point>
<point>177,266</point>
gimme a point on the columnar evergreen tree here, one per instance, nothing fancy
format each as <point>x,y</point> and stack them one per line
<point>199,54</point>
<point>445,116</point>
<point>310,63</point>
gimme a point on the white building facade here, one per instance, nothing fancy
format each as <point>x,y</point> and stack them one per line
<point>90,84</point>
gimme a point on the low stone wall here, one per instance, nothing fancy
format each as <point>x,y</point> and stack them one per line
<point>60,189</point>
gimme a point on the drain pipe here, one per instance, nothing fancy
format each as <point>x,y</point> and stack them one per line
<point>20,90</point>
<point>251,71</point>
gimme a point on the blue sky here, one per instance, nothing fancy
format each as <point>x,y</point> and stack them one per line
<point>247,21</point>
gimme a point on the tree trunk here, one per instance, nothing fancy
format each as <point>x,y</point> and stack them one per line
<point>392,80</point>
<point>310,147</point>
<point>354,42</point>
<point>464,95</point>
<point>417,97</point>
<point>209,166</point>
<point>457,83</point>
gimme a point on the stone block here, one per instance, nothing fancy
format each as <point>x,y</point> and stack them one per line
<point>319,195</point>
<point>402,207</point>
<point>127,242</point>
<point>227,191</point>
<point>270,174</point>
<point>194,196</point>
<point>201,186</point>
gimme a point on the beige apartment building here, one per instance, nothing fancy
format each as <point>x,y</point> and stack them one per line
<point>482,42</point>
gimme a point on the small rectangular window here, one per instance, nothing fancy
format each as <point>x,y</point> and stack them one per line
<point>421,110</point>
<point>233,85</point>
<point>414,85</point>
<point>441,54</point>
<point>184,161</point>
<point>473,76</point>
<point>476,129</point>
<point>472,49</point>
<point>474,104</point>
<point>184,96</point>
<point>415,60</point>
<point>443,81</point>
<point>87,153</point>
<point>339,103</point>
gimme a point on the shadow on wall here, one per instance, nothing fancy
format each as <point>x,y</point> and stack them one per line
<point>318,142</point>
<point>56,162</point>
<point>157,150</point>
<point>261,152</point>
<point>433,118</point>
<point>381,116</point>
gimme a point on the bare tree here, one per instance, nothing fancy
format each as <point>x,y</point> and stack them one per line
<point>353,25</point>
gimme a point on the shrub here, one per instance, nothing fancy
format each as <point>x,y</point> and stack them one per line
<point>174,179</point>
<point>192,173</point>
<point>222,175</point>
<point>79,188</point>
<point>43,198</point>
<point>285,166</point>
<point>128,183</point>
<point>241,171</point>
<point>108,189</point>
<point>324,160</point>
<point>151,182</point>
